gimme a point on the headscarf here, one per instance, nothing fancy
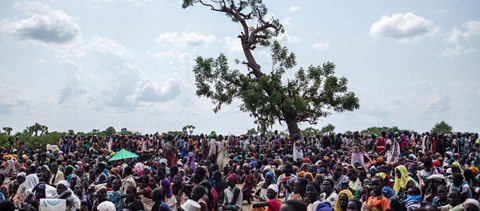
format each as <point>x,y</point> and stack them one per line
<point>403,180</point>
<point>72,198</point>
<point>472,202</point>
<point>166,187</point>
<point>274,187</point>
<point>106,206</point>
<point>139,168</point>
<point>337,203</point>
<point>22,174</point>
<point>270,174</point>
<point>30,182</point>
<point>474,170</point>
<point>233,178</point>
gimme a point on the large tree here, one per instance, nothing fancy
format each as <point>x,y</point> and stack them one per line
<point>313,93</point>
<point>442,128</point>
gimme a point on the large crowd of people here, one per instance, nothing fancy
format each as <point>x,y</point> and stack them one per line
<point>374,172</point>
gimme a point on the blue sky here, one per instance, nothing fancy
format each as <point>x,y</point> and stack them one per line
<point>96,63</point>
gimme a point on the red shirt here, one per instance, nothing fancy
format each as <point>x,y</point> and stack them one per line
<point>274,204</point>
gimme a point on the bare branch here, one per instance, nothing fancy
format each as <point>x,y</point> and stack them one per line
<point>211,6</point>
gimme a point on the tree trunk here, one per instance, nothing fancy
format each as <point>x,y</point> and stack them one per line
<point>292,127</point>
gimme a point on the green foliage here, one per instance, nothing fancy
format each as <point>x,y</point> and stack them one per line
<point>110,131</point>
<point>378,130</point>
<point>314,92</point>
<point>252,132</point>
<point>328,129</point>
<point>187,129</point>
<point>442,128</point>
<point>310,131</point>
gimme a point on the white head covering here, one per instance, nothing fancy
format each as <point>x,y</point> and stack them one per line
<point>106,206</point>
<point>274,187</point>
<point>30,182</point>
<point>191,205</point>
<point>472,202</point>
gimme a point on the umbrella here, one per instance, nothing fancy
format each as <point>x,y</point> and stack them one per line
<point>123,154</point>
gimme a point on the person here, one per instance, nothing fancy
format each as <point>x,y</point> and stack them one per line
<point>328,195</point>
<point>343,198</point>
<point>249,183</point>
<point>414,198</point>
<point>461,185</point>
<point>312,193</point>
<point>21,192</point>
<point>403,181</point>
<point>441,198</point>
<point>198,193</point>
<point>7,206</point>
<point>116,196</point>
<point>454,202</point>
<point>298,189</point>
<point>158,196</point>
<point>471,205</point>
<point>354,185</point>
<point>233,196</point>
<point>106,206</point>
<point>101,193</point>
<point>377,202</point>
<point>128,179</point>
<point>273,203</point>
<point>222,154</point>
<point>354,205</point>
<point>64,192</point>
<point>132,202</point>
<point>341,181</point>
<point>261,190</point>
<point>293,205</point>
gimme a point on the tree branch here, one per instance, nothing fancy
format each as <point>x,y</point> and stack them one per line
<point>212,7</point>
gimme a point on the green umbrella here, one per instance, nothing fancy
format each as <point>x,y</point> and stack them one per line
<point>123,154</point>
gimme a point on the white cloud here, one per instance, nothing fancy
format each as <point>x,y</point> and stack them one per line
<point>294,8</point>
<point>185,39</point>
<point>457,51</point>
<point>130,88</point>
<point>108,46</point>
<point>44,25</point>
<point>72,88</point>
<point>404,27</point>
<point>472,29</point>
<point>173,55</point>
<point>439,104</point>
<point>233,44</point>
<point>151,91</point>
<point>321,46</point>
<point>288,38</point>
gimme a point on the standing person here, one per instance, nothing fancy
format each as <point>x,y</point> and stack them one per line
<point>170,152</point>
<point>357,149</point>
<point>298,146</point>
<point>212,146</point>
<point>190,164</point>
<point>377,202</point>
<point>223,152</point>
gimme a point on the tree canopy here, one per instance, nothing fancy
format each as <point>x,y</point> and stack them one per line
<point>442,128</point>
<point>313,93</point>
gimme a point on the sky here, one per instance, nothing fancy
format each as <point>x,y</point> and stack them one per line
<point>91,64</point>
